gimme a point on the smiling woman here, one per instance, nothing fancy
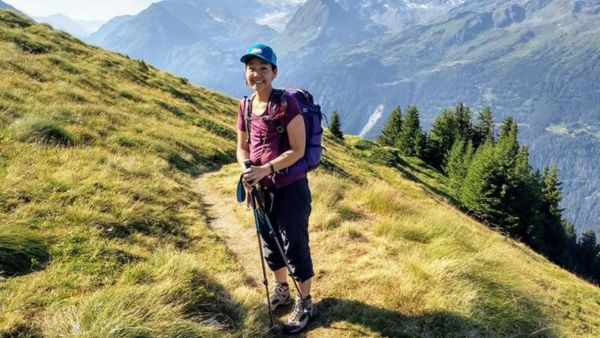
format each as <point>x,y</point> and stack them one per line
<point>272,136</point>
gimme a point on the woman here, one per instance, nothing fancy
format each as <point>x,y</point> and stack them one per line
<point>271,134</point>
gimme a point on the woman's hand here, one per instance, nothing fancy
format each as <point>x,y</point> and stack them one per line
<point>253,175</point>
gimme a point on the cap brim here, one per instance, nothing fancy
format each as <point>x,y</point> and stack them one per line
<point>248,56</point>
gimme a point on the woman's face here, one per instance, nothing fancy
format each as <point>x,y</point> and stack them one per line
<point>259,74</point>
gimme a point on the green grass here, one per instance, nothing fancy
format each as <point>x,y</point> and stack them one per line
<point>123,247</point>
<point>101,233</point>
<point>21,251</point>
<point>42,131</point>
<point>393,257</point>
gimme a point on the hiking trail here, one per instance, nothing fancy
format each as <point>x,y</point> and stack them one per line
<point>240,240</point>
<point>239,236</point>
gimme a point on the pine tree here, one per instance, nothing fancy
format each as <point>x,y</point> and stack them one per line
<point>491,185</point>
<point>459,159</point>
<point>464,126</point>
<point>410,141</point>
<point>335,126</point>
<point>588,250</point>
<point>420,144</point>
<point>526,200</point>
<point>441,138</point>
<point>484,129</point>
<point>570,252</point>
<point>477,192</point>
<point>392,128</point>
<point>504,183</point>
<point>508,126</point>
<point>551,218</point>
<point>552,192</point>
<point>595,269</point>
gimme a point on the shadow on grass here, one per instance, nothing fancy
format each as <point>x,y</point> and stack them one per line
<point>407,170</point>
<point>368,320</point>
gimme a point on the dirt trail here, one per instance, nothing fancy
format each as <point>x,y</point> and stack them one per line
<point>241,240</point>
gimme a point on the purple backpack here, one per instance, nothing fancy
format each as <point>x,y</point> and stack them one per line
<point>313,117</point>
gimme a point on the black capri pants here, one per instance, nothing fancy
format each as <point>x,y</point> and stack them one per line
<point>289,216</point>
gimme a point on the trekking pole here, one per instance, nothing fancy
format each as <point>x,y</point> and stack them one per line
<point>247,164</point>
<point>280,249</point>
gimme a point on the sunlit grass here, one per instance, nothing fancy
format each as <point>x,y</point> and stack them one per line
<point>97,157</point>
<point>130,252</point>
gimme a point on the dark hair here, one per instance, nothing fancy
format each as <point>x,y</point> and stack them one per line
<point>273,67</point>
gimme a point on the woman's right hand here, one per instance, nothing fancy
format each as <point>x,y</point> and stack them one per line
<point>253,175</point>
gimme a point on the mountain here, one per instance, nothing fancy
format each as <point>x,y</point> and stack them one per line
<point>90,26</point>
<point>534,59</point>
<point>105,226</point>
<point>197,39</point>
<point>107,30</point>
<point>62,22</point>
<point>401,14</point>
<point>324,24</point>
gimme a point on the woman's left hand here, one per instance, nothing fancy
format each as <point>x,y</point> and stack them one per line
<point>254,174</point>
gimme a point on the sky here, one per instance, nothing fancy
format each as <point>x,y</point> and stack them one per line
<point>81,9</point>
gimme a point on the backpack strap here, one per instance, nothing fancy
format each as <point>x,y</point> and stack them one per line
<point>247,111</point>
<point>277,118</point>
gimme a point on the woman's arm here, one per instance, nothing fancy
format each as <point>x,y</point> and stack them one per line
<point>242,152</point>
<point>297,140</point>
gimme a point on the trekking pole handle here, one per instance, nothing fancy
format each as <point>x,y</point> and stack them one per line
<point>247,165</point>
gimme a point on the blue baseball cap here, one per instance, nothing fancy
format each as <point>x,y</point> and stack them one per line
<point>262,52</point>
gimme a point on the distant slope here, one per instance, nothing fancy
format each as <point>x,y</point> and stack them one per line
<point>537,60</point>
<point>64,23</point>
<point>99,209</point>
<point>198,38</point>
<point>5,6</point>
<point>534,59</point>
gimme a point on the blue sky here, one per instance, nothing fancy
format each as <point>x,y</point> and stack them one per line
<point>81,9</point>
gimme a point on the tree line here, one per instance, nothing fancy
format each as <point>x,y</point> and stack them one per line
<point>490,177</point>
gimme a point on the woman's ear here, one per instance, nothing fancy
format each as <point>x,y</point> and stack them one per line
<point>274,73</point>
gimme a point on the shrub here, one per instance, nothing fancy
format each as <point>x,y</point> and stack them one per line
<point>363,144</point>
<point>14,20</point>
<point>35,74</point>
<point>21,251</point>
<point>178,94</point>
<point>26,45</point>
<point>171,108</point>
<point>129,96</point>
<point>43,131</point>
<point>63,64</point>
<point>386,155</point>
<point>142,66</point>
<point>215,128</point>
<point>125,140</point>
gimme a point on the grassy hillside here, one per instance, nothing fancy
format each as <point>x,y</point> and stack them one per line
<point>100,232</point>
<point>103,235</point>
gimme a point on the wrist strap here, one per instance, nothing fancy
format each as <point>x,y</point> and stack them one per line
<point>272,168</point>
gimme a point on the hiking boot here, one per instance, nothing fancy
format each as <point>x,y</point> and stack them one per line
<point>280,296</point>
<point>300,316</point>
